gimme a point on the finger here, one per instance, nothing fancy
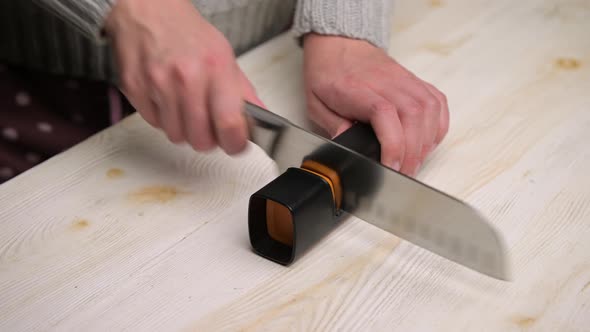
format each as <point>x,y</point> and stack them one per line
<point>412,120</point>
<point>150,114</point>
<point>390,133</point>
<point>144,106</point>
<point>225,105</point>
<point>443,125</point>
<point>363,104</point>
<point>431,110</point>
<point>249,92</point>
<point>325,118</point>
<point>163,94</point>
<point>133,84</point>
<point>197,125</point>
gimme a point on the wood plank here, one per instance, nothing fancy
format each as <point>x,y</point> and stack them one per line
<point>127,231</point>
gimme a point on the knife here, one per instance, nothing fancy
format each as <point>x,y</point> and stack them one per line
<point>398,204</point>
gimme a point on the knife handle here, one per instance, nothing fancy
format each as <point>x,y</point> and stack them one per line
<point>362,139</point>
<point>356,181</point>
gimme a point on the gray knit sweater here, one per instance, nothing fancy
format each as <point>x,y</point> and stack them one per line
<point>63,36</point>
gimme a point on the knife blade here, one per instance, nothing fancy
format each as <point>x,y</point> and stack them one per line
<point>398,204</point>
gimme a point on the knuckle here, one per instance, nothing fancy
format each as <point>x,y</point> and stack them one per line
<point>383,107</point>
<point>338,86</point>
<point>413,110</point>
<point>432,103</point>
<point>229,123</point>
<point>156,74</point>
<point>216,60</point>
<point>185,71</point>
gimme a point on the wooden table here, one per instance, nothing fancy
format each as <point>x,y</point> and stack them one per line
<point>127,231</point>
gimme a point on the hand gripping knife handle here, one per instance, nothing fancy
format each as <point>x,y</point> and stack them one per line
<point>298,208</point>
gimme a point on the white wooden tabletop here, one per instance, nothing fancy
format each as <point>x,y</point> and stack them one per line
<point>127,231</point>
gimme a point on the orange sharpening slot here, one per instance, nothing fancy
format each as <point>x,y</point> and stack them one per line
<point>327,174</point>
<point>279,220</point>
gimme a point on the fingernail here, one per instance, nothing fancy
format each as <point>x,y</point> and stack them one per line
<point>396,166</point>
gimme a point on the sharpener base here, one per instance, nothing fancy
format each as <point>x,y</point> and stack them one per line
<point>291,213</point>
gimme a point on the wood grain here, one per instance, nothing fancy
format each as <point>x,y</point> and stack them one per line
<point>127,231</point>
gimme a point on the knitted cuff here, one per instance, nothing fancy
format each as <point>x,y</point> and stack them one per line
<point>87,16</point>
<point>368,20</point>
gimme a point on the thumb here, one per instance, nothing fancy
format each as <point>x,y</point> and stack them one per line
<point>325,118</point>
<point>249,92</point>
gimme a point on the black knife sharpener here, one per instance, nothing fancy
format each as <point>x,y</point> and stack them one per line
<point>298,208</point>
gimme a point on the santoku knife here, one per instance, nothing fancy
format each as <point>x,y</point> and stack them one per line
<point>397,204</point>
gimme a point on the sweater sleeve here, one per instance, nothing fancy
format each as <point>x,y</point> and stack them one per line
<point>368,20</point>
<point>87,16</point>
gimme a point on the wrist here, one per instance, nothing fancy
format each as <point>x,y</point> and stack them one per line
<point>309,37</point>
<point>312,39</point>
<point>110,25</point>
<point>318,46</point>
<point>127,12</point>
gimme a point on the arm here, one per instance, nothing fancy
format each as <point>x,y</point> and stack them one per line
<point>175,68</point>
<point>88,16</point>
<point>368,20</point>
<point>349,76</point>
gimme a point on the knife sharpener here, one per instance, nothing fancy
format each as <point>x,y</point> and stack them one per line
<point>298,208</point>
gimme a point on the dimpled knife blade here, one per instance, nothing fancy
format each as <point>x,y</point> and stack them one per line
<point>397,204</point>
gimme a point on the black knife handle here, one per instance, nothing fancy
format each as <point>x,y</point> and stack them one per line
<point>358,180</point>
<point>362,139</point>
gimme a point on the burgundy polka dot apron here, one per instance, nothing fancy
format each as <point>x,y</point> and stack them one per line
<point>42,115</point>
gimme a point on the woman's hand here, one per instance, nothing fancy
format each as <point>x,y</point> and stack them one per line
<point>348,80</point>
<point>180,73</point>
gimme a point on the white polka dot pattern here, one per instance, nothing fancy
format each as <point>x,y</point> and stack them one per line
<point>22,99</point>
<point>44,127</point>
<point>32,157</point>
<point>6,172</point>
<point>10,134</point>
